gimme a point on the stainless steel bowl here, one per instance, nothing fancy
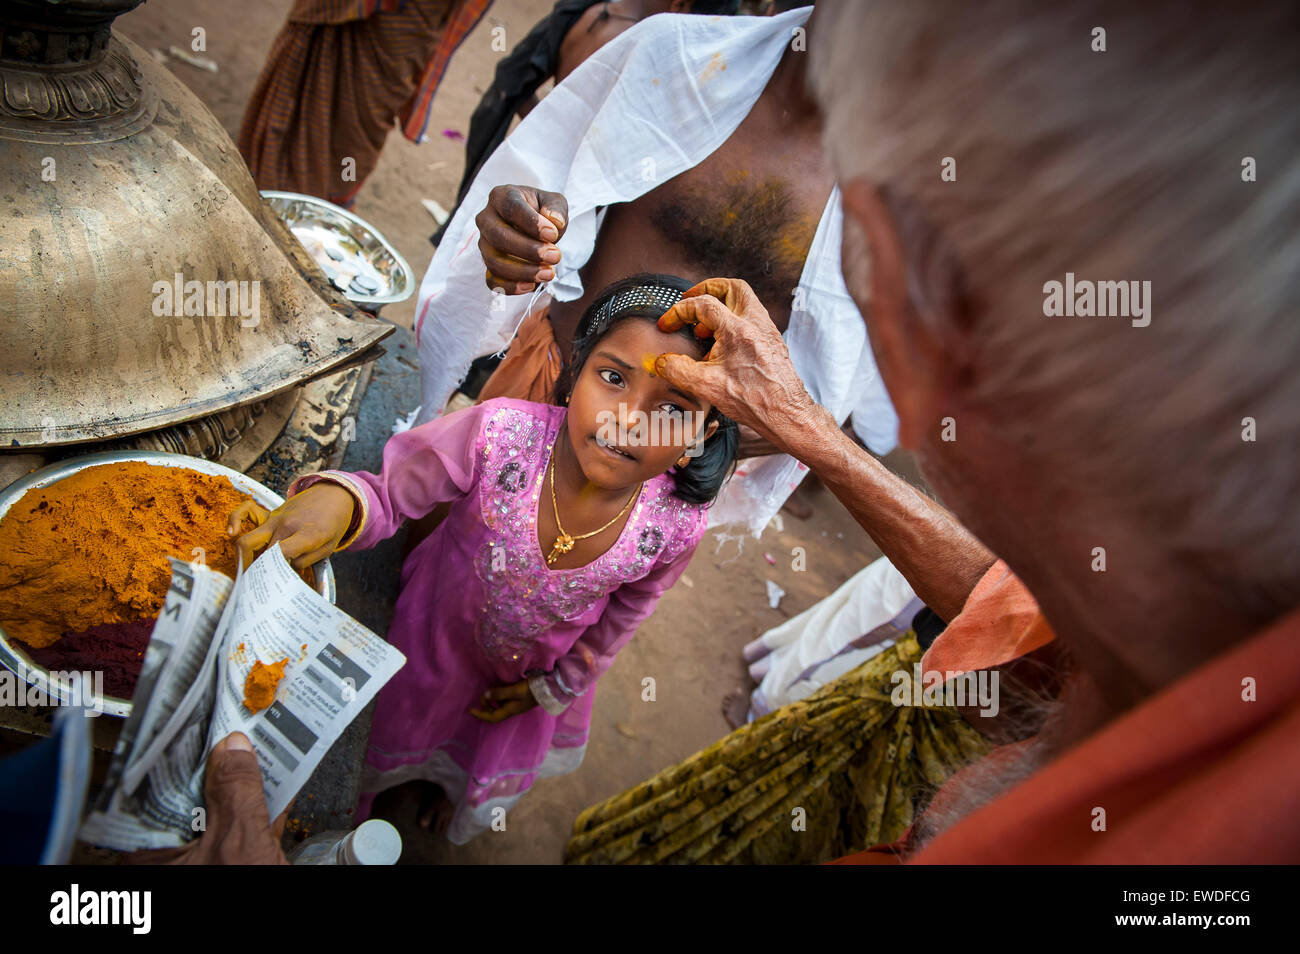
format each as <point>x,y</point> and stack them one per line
<point>13,657</point>
<point>358,260</point>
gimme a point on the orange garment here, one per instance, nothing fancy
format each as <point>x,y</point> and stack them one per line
<point>531,366</point>
<point>999,622</point>
<point>1195,775</point>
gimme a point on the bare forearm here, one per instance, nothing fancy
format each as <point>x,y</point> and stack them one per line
<point>937,555</point>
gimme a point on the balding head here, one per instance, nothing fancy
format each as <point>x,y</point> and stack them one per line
<point>1123,165</point>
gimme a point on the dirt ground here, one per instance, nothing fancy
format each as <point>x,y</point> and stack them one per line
<point>691,646</point>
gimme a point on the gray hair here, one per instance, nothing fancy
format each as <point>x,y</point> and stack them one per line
<point>1116,165</point>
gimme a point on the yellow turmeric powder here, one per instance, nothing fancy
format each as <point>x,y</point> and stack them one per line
<point>93,547</point>
<point>259,686</point>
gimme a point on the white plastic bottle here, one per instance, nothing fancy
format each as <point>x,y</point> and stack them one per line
<point>373,842</point>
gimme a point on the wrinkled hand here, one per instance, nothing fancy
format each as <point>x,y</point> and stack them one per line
<point>747,374</point>
<point>504,701</point>
<point>308,526</point>
<point>517,231</point>
<point>238,830</point>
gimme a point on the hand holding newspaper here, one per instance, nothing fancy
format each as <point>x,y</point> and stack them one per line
<point>190,695</point>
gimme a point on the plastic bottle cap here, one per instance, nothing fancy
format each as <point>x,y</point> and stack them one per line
<point>375,842</point>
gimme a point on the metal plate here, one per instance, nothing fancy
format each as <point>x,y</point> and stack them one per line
<point>357,260</point>
<point>13,657</point>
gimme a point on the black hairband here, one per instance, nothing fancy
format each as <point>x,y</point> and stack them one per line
<point>639,297</point>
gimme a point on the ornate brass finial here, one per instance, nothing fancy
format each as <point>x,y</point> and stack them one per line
<point>64,78</point>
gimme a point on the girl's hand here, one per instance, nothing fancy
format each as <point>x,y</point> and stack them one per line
<point>504,702</point>
<point>308,526</point>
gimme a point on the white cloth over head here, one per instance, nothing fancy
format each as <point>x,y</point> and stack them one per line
<point>650,104</point>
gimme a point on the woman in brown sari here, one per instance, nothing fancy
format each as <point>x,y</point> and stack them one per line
<point>338,74</point>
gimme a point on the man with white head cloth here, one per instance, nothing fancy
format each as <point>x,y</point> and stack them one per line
<point>687,145</point>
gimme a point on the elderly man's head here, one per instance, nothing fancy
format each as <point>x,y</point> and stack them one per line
<point>988,150</point>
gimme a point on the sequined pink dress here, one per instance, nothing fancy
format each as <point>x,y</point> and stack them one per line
<point>479,607</point>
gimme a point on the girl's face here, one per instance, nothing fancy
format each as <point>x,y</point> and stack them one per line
<point>627,424</point>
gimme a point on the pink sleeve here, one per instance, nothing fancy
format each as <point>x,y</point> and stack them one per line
<point>431,464</point>
<point>629,606</point>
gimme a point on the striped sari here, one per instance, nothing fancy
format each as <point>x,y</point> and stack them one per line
<point>339,73</point>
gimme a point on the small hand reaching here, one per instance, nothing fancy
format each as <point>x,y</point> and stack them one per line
<point>308,526</point>
<point>503,702</point>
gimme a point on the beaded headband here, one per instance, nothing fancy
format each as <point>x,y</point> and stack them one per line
<point>639,298</point>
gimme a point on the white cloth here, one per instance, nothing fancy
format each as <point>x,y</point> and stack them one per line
<point>861,619</point>
<point>650,104</point>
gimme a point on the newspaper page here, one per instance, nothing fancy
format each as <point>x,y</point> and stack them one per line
<point>335,667</point>
<point>190,695</point>
<point>179,668</point>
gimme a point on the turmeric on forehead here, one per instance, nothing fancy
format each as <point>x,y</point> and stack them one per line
<point>93,547</point>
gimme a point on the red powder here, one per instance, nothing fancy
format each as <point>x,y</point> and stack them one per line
<point>116,648</point>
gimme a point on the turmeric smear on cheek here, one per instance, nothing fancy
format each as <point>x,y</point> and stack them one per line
<point>260,685</point>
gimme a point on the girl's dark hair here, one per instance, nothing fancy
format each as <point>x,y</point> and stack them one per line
<point>703,476</point>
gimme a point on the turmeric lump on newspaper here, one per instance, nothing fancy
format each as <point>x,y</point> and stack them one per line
<point>259,687</point>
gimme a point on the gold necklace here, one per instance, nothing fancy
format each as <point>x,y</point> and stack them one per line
<point>564,542</point>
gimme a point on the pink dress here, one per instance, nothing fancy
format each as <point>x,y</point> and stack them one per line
<point>480,608</point>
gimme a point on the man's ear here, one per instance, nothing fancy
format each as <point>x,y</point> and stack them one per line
<point>915,368</point>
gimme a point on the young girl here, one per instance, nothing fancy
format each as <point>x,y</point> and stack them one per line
<point>567,523</point>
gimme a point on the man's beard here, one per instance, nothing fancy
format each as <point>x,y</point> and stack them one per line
<point>1046,727</point>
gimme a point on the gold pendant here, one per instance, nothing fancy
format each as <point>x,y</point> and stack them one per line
<point>563,544</point>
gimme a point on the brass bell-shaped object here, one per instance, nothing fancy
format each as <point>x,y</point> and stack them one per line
<point>143,280</point>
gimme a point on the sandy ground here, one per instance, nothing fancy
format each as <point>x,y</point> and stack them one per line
<point>691,646</point>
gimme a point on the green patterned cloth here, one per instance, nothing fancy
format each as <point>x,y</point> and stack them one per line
<point>832,774</point>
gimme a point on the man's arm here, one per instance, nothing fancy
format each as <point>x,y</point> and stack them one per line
<point>937,555</point>
<point>749,377</point>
